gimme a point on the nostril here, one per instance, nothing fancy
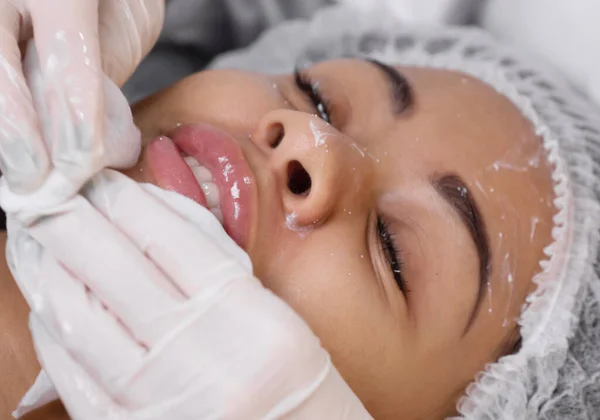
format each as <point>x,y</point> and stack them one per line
<point>299,181</point>
<point>278,133</point>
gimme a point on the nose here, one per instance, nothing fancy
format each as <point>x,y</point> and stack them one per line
<point>310,160</point>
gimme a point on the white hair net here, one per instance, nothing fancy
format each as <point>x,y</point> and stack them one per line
<point>556,372</point>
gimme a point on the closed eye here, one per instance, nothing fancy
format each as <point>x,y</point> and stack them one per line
<point>311,89</point>
<point>391,252</point>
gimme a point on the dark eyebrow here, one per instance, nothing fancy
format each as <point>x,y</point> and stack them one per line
<point>400,90</point>
<point>454,191</point>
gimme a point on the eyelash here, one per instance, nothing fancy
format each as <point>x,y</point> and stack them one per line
<point>311,89</point>
<point>391,252</point>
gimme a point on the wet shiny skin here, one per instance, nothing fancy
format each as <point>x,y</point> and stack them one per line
<point>405,355</point>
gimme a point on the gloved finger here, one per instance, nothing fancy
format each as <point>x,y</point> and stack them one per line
<point>116,271</point>
<point>130,28</point>
<point>192,258</point>
<point>194,213</point>
<point>69,52</point>
<point>70,311</point>
<point>24,161</point>
<point>35,80</point>
<point>82,397</point>
<point>122,141</point>
<point>79,322</point>
<point>24,256</point>
<point>282,340</point>
<point>121,136</point>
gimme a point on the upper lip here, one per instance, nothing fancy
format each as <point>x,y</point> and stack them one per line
<point>222,155</point>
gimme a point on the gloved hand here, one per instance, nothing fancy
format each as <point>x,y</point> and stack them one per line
<point>144,308</point>
<point>73,119</point>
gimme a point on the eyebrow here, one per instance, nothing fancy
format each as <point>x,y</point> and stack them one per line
<point>400,90</point>
<point>455,193</point>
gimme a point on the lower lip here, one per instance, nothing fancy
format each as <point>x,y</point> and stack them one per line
<point>222,156</point>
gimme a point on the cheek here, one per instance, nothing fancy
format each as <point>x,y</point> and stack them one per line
<point>317,272</point>
<point>230,99</point>
<point>326,281</point>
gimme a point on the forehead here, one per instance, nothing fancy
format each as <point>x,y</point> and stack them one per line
<point>460,124</point>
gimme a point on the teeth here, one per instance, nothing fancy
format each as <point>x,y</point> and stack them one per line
<point>191,161</point>
<point>211,192</point>
<point>202,174</point>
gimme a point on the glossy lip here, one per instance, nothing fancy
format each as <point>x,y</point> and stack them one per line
<point>222,156</point>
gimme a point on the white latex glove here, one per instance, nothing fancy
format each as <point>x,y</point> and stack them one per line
<point>144,308</point>
<point>70,125</point>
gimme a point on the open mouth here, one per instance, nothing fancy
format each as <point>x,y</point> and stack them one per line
<point>207,165</point>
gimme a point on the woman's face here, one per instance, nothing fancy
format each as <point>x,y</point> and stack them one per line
<point>405,232</point>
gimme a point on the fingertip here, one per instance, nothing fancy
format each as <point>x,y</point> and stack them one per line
<point>69,55</point>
